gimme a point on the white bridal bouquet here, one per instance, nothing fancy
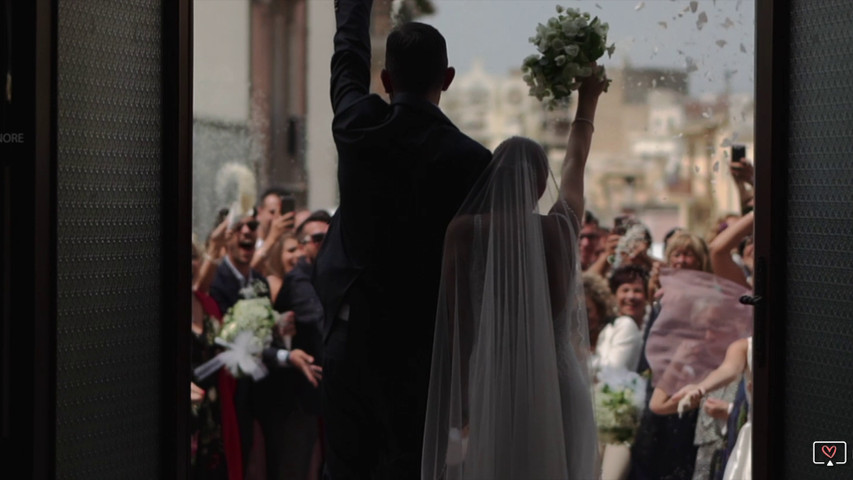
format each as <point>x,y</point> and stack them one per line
<point>567,44</point>
<point>246,331</point>
<point>619,396</point>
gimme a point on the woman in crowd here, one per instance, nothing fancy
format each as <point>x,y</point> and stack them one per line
<point>738,362</point>
<point>215,440</point>
<point>617,344</point>
<point>663,446</point>
<point>709,438</point>
<point>600,305</point>
<point>282,258</point>
<point>616,340</point>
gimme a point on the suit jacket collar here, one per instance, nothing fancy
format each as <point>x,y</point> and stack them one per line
<point>419,103</point>
<point>243,281</point>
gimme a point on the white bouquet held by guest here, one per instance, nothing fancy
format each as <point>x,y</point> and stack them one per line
<point>618,397</point>
<point>246,332</point>
<point>629,245</point>
<point>568,44</point>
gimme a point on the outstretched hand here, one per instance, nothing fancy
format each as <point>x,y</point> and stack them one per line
<point>217,239</point>
<point>688,398</point>
<point>196,393</point>
<point>743,172</point>
<point>717,408</point>
<point>305,363</point>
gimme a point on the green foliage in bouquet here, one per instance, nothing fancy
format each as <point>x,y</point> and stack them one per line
<point>567,45</point>
<point>616,415</point>
<point>619,396</point>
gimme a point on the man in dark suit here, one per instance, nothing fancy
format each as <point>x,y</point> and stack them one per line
<point>233,281</point>
<point>286,404</point>
<point>403,171</point>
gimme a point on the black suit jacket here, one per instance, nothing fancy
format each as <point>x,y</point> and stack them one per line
<point>403,171</point>
<point>225,288</point>
<point>297,294</point>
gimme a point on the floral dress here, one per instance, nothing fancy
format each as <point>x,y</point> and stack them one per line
<point>208,454</point>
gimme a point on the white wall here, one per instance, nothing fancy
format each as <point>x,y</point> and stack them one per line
<point>321,156</point>
<point>221,60</point>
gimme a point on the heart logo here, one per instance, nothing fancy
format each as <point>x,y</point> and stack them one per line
<point>828,450</point>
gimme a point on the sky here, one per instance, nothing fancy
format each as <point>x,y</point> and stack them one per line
<point>655,33</point>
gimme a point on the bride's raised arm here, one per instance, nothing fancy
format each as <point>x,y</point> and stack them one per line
<point>580,138</point>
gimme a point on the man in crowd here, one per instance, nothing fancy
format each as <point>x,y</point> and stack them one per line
<point>234,280</point>
<point>289,405</point>
<point>590,240</point>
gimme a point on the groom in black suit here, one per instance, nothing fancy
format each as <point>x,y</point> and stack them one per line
<point>403,170</point>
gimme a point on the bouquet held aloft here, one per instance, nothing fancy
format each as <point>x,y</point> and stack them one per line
<point>568,44</point>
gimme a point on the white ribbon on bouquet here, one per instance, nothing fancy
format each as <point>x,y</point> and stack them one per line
<point>242,356</point>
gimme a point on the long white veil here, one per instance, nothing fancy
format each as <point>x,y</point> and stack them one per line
<point>509,393</point>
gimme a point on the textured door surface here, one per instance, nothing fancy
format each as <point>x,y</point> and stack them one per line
<point>109,159</point>
<point>819,327</point>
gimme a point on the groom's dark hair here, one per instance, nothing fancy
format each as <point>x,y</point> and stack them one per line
<point>416,58</point>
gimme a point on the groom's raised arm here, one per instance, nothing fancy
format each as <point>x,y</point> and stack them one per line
<point>351,60</point>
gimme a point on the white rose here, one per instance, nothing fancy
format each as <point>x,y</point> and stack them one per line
<point>560,60</point>
<point>572,50</point>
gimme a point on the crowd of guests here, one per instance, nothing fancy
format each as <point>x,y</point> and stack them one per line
<point>270,428</point>
<point>273,428</point>
<point>624,297</point>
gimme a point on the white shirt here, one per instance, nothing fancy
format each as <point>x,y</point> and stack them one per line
<point>619,344</point>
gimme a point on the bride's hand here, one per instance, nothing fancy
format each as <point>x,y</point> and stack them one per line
<point>592,86</point>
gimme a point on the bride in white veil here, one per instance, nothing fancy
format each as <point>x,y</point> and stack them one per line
<point>509,393</point>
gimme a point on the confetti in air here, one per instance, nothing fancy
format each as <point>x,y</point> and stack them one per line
<point>662,24</point>
<point>640,6</point>
<point>694,5</point>
<point>721,43</point>
<point>703,19</point>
